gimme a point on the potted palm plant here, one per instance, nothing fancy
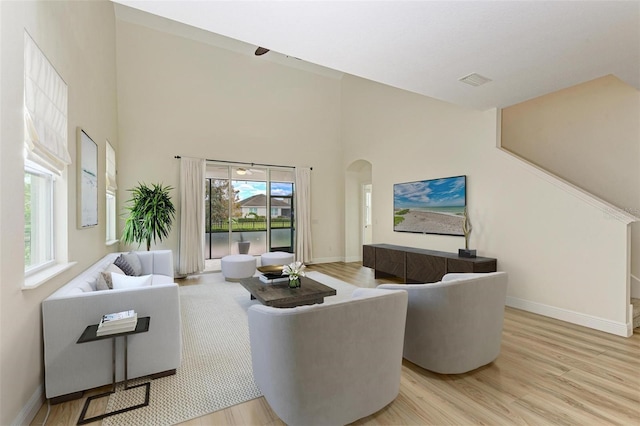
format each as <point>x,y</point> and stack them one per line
<point>150,215</point>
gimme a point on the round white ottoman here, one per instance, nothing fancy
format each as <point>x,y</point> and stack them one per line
<point>238,266</point>
<point>276,258</point>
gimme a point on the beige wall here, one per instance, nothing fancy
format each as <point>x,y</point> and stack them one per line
<point>587,134</point>
<point>79,40</point>
<point>178,96</point>
<point>566,257</point>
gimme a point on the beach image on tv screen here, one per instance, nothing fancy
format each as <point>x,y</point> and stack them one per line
<point>433,206</point>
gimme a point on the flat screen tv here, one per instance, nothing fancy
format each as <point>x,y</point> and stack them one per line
<point>433,206</point>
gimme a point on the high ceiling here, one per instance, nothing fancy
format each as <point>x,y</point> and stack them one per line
<point>526,48</point>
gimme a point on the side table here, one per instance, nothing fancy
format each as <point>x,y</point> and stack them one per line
<point>89,335</point>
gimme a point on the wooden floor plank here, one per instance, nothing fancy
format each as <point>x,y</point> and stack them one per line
<point>548,372</point>
<point>611,368</point>
<point>464,404</point>
<point>540,409</point>
<point>574,330</point>
<point>549,339</point>
<point>595,399</point>
<point>629,389</point>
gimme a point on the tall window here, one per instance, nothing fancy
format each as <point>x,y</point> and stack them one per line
<point>38,217</point>
<point>45,131</point>
<point>111,193</point>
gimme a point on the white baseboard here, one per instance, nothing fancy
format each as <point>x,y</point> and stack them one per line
<point>29,411</point>
<point>635,287</point>
<point>612,327</point>
<point>353,259</point>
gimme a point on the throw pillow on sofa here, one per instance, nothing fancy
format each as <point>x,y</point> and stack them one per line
<point>104,278</point>
<point>134,261</point>
<point>102,283</point>
<point>122,263</point>
<point>126,281</point>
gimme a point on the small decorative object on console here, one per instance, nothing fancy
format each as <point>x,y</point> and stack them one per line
<point>466,229</point>
<point>295,271</point>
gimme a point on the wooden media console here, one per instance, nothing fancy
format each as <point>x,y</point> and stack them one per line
<point>416,265</point>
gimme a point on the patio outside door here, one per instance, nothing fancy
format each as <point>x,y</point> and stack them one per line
<point>282,209</point>
<point>248,210</point>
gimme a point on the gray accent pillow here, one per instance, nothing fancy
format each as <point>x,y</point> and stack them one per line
<point>134,261</point>
<point>104,281</point>
<point>104,278</point>
<point>122,263</point>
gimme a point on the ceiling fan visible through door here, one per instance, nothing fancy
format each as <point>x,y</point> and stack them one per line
<point>243,171</point>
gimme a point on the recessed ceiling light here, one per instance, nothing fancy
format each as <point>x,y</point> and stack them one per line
<point>474,79</point>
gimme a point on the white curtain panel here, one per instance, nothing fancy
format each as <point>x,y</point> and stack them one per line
<point>45,111</point>
<point>303,214</point>
<point>192,193</point>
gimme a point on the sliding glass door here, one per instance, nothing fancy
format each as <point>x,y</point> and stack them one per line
<point>248,210</point>
<point>281,215</point>
<point>217,204</point>
<point>248,216</point>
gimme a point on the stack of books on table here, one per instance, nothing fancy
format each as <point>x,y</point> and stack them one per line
<point>272,278</point>
<point>119,322</point>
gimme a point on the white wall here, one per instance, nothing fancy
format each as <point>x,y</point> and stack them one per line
<point>178,96</point>
<point>79,40</point>
<point>566,257</point>
<point>588,134</point>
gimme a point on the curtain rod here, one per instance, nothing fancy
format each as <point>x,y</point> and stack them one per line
<point>248,164</point>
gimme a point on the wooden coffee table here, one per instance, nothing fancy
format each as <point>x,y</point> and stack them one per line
<point>279,295</point>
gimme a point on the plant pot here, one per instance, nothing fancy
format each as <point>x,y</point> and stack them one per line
<point>295,283</point>
<point>243,247</point>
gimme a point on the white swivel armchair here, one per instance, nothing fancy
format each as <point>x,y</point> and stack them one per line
<point>455,325</point>
<point>329,364</point>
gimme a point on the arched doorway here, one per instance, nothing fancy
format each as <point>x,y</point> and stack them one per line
<point>358,198</point>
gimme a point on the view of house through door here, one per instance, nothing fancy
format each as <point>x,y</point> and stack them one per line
<point>247,211</point>
<point>367,231</point>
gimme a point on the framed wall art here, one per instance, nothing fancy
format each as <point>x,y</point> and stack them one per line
<point>87,181</point>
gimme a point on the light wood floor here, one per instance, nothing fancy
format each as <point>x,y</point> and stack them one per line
<point>548,372</point>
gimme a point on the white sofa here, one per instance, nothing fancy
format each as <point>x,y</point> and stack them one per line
<point>455,325</point>
<point>329,364</point>
<point>71,368</point>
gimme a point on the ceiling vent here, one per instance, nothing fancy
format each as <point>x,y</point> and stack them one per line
<point>475,79</point>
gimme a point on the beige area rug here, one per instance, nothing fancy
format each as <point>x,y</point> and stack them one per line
<point>216,359</point>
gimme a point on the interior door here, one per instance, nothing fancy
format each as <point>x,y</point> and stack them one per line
<point>367,231</point>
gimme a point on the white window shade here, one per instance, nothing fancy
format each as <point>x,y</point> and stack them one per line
<point>111,168</point>
<point>45,101</point>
